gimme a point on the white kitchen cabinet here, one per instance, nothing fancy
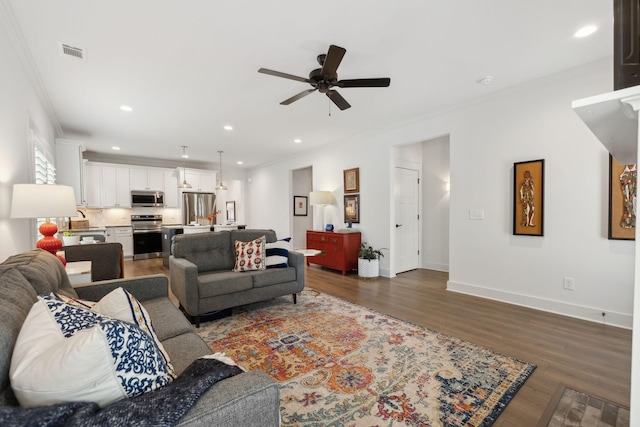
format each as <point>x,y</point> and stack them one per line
<point>171,189</point>
<point>124,236</point>
<point>93,185</point>
<point>69,167</point>
<point>150,179</point>
<point>115,187</point>
<point>201,180</point>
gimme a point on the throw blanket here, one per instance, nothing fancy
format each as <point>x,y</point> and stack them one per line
<point>162,407</point>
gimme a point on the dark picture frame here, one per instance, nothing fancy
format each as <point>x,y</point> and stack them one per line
<point>352,208</point>
<point>622,216</point>
<point>300,206</point>
<point>528,198</point>
<point>351,180</point>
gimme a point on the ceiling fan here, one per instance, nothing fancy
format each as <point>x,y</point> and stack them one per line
<point>325,78</point>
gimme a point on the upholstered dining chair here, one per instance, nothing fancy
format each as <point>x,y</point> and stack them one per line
<point>107,259</point>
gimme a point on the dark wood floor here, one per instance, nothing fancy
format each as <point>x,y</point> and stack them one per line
<point>588,357</point>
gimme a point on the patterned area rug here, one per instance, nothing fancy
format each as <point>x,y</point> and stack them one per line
<point>340,364</point>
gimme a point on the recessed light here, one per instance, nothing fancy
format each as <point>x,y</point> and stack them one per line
<point>240,162</point>
<point>297,141</point>
<point>585,31</point>
<point>185,156</point>
<point>126,108</point>
<point>115,148</point>
<point>228,127</point>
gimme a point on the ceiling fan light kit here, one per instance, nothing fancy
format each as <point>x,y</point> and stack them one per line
<point>325,78</point>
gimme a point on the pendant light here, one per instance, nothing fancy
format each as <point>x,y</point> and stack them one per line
<point>221,185</point>
<point>184,183</point>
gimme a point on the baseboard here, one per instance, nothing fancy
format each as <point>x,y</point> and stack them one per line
<point>591,314</point>
<point>436,266</point>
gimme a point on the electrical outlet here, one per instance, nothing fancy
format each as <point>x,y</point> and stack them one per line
<point>569,283</point>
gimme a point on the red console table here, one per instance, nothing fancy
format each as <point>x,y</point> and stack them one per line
<point>338,251</point>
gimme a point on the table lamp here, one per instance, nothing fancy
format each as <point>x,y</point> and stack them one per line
<point>44,201</point>
<point>320,198</point>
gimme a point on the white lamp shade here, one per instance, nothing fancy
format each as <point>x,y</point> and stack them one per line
<point>320,198</point>
<point>43,201</point>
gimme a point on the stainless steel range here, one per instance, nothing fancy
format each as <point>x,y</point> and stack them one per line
<point>147,236</point>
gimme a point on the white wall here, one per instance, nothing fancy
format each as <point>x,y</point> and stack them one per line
<point>435,206</point>
<point>301,185</point>
<point>527,122</point>
<point>535,121</point>
<point>18,105</point>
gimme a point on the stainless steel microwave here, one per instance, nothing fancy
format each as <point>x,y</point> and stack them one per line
<point>147,198</point>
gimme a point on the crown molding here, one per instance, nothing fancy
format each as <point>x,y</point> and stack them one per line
<point>8,18</point>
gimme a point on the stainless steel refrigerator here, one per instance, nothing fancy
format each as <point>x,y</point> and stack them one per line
<point>197,205</point>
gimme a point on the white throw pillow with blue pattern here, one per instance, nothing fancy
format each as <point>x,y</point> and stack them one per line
<point>66,353</point>
<point>120,304</point>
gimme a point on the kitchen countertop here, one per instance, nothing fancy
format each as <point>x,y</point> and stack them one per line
<point>85,229</point>
<point>176,226</point>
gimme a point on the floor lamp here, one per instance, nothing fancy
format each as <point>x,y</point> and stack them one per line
<point>44,201</point>
<point>320,199</point>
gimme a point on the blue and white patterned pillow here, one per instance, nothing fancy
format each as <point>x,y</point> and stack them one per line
<point>66,353</point>
<point>278,253</point>
<point>120,304</point>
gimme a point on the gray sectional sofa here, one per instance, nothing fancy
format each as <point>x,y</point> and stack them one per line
<point>248,399</point>
<point>203,280</point>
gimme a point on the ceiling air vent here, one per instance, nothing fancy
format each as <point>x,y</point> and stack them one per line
<point>72,52</point>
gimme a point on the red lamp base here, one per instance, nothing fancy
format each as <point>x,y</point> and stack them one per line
<point>49,243</point>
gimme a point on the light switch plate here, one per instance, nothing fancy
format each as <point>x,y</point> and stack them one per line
<point>476,214</point>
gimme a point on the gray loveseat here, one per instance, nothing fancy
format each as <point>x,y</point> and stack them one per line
<point>203,280</point>
<point>248,399</point>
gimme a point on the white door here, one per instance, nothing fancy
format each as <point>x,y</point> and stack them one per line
<point>407,229</point>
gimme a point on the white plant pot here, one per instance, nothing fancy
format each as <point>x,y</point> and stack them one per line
<point>70,240</point>
<point>368,267</point>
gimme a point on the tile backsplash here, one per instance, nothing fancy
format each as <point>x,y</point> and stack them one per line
<point>122,216</point>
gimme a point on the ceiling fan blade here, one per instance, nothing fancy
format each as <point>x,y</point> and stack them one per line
<point>283,75</point>
<point>298,96</point>
<point>333,59</point>
<point>338,100</point>
<point>381,82</point>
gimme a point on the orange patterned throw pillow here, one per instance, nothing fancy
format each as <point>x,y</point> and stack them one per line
<point>250,255</point>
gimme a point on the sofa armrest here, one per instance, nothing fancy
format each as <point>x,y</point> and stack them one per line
<point>251,399</point>
<point>184,283</point>
<point>296,260</point>
<point>143,287</point>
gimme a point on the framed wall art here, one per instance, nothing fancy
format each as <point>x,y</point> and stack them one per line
<point>230,207</point>
<point>351,180</point>
<point>528,198</point>
<point>300,206</point>
<point>352,208</point>
<point>622,194</point>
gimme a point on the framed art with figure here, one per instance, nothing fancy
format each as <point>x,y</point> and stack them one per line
<point>528,198</point>
<point>622,199</point>
<point>352,208</point>
<point>351,179</point>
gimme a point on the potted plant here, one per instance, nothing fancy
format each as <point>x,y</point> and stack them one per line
<point>369,260</point>
<point>70,238</point>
